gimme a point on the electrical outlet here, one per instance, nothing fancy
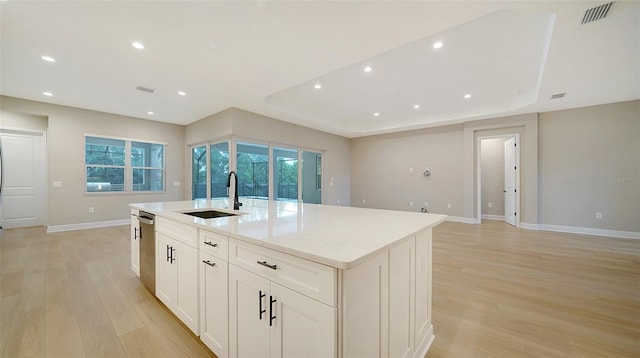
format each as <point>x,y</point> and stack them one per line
<point>364,201</point>
<point>410,170</point>
<point>56,184</point>
<point>411,203</point>
<point>598,215</point>
<point>91,209</point>
<point>425,204</point>
<point>449,206</point>
<point>176,183</point>
<point>491,205</point>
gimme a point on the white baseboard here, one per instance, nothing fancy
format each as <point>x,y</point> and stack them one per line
<point>582,230</point>
<point>460,219</point>
<point>493,217</point>
<point>91,225</point>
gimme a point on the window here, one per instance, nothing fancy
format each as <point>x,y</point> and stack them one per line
<point>312,177</point>
<point>263,171</point>
<point>219,169</point>
<point>199,172</point>
<point>108,169</point>
<point>147,161</point>
<point>252,161</point>
<point>285,174</point>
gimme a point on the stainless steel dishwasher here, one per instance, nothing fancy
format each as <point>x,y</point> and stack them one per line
<point>147,250</point>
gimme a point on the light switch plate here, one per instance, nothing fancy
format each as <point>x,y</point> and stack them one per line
<point>56,184</point>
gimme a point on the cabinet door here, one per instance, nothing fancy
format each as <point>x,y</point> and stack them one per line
<point>166,272</point>
<point>214,316</point>
<point>135,243</point>
<point>185,260</point>
<point>401,299</point>
<point>302,327</point>
<point>248,314</point>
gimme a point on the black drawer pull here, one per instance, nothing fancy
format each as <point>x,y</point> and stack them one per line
<point>260,297</point>
<point>209,263</point>
<point>265,264</point>
<point>271,313</point>
<point>210,243</point>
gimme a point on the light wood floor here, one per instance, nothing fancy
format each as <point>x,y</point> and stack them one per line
<point>498,292</point>
<point>73,294</point>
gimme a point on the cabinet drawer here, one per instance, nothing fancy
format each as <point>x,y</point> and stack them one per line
<point>181,232</point>
<point>214,244</point>
<point>306,277</point>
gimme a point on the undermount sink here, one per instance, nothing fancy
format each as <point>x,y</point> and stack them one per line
<point>209,214</point>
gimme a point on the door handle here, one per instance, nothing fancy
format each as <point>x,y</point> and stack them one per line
<point>265,264</point>
<point>168,258</point>
<point>212,264</point>
<point>271,316</point>
<point>260,297</point>
<point>135,233</point>
<point>172,258</point>
<point>210,244</point>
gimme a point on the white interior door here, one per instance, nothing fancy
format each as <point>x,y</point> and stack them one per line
<point>510,181</point>
<point>24,159</point>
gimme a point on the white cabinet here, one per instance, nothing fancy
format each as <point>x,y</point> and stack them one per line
<point>214,310</point>
<point>267,319</point>
<point>177,274</point>
<point>386,302</point>
<point>135,243</point>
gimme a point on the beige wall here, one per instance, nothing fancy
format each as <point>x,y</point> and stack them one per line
<point>247,125</point>
<point>492,183</point>
<point>382,175</point>
<point>590,162</point>
<point>22,121</point>
<point>65,158</point>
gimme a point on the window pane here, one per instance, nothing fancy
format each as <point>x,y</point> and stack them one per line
<point>148,179</point>
<point>285,172</point>
<point>253,170</point>
<point>149,155</point>
<point>199,172</point>
<point>105,179</point>
<point>219,169</point>
<point>104,151</point>
<point>312,177</point>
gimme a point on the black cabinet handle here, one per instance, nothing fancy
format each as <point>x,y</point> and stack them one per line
<point>265,264</point>
<point>135,233</point>
<point>209,263</point>
<point>210,244</point>
<point>260,297</point>
<point>172,258</point>
<point>168,253</point>
<point>271,315</point>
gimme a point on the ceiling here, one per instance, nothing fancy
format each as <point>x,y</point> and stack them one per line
<point>268,56</point>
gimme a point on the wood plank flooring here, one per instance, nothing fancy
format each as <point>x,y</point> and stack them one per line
<point>73,294</point>
<point>498,292</point>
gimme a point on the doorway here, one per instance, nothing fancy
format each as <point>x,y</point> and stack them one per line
<point>498,178</point>
<point>24,193</point>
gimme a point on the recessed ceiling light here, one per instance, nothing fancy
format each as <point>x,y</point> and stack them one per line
<point>138,45</point>
<point>150,113</point>
<point>416,106</point>
<point>376,114</point>
<point>467,96</point>
<point>182,93</point>
<point>368,69</point>
<point>317,86</point>
<point>48,94</point>
<point>48,58</point>
<point>438,44</point>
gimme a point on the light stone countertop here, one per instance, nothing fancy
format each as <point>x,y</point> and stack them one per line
<point>335,236</point>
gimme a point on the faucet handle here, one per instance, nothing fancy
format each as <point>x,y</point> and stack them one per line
<point>239,204</point>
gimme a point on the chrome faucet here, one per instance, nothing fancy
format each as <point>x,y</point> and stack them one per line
<point>236,204</point>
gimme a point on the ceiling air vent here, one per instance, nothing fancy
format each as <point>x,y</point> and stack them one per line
<point>145,89</point>
<point>596,13</point>
<point>558,95</point>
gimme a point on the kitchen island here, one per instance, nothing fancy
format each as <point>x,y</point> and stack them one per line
<point>289,279</point>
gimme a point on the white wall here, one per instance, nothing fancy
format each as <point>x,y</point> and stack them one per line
<point>247,125</point>
<point>66,127</point>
